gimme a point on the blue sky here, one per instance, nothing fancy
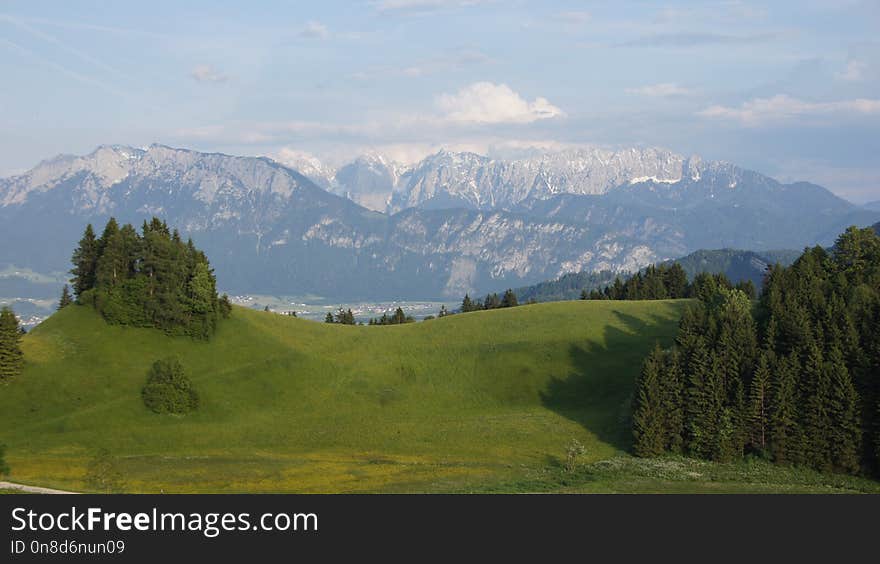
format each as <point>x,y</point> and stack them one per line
<point>791,89</point>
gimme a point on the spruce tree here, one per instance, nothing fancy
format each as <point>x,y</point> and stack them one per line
<point>492,301</point>
<point>648,417</point>
<point>785,445</point>
<point>676,282</point>
<point>759,405</point>
<point>816,420</point>
<point>672,389</point>
<point>617,289</point>
<point>398,317</point>
<point>700,401</point>
<point>509,299</point>
<point>11,356</point>
<point>65,299</point>
<point>845,433</point>
<point>466,304</point>
<point>112,264</point>
<point>85,259</point>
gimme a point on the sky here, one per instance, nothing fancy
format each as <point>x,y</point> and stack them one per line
<point>787,88</point>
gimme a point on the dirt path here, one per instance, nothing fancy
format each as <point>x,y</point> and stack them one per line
<point>30,489</point>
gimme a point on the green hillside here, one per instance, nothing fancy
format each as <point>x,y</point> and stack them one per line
<point>485,401</point>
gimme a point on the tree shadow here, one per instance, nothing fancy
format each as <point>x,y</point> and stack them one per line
<point>598,392</point>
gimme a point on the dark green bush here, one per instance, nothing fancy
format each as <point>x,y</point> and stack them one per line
<point>168,390</point>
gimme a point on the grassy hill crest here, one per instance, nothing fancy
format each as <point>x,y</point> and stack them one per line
<point>485,401</point>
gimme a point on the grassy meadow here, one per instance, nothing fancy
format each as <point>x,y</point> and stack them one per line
<point>485,401</point>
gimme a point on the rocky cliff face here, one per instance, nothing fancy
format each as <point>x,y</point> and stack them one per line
<point>465,222</point>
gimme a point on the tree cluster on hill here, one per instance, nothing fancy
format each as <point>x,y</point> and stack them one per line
<point>11,356</point>
<point>397,318</point>
<point>148,279</point>
<point>666,282</point>
<point>796,379</point>
<point>342,316</point>
<point>491,301</point>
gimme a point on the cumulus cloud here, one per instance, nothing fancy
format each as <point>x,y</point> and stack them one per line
<point>781,108</point>
<point>661,90</point>
<point>853,72</point>
<point>207,73</point>
<point>489,103</point>
<point>314,30</point>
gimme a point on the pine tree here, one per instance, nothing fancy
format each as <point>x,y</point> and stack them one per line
<point>718,420</point>
<point>226,306</point>
<point>747,287</point>
<point>617,289</point>
<point>845,433</point>
<point>509,299</point>
<point>759,405</point>
<point>676,281</point>
<point>785,445</point>
<point>328,318</point>
<point>816,420</point>
<point>466,304</point>
<point>85,259</point>
<point>399,317</point>
<point>700,402</point>
<point>111,266</point>
<point>65,299</point>
<point>11,356</point>
<point>672,390</point>
<point>732,429</point>
<point>648,417</point>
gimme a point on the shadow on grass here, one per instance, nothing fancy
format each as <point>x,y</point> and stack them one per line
<point>597,393</point>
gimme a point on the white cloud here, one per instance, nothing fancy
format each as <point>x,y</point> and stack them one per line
<point>781,108</point>
<point>488,103</point>
<point>853,72</point>
<point>664,89</point>
<point>314,30</point>
<point>207,73</point>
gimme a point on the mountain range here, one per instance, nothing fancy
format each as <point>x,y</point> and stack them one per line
<point>449,224</point>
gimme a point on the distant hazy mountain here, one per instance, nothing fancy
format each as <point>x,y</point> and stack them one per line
<point>465,223</point>
<point>873,206</point>
<point>737,265</point>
